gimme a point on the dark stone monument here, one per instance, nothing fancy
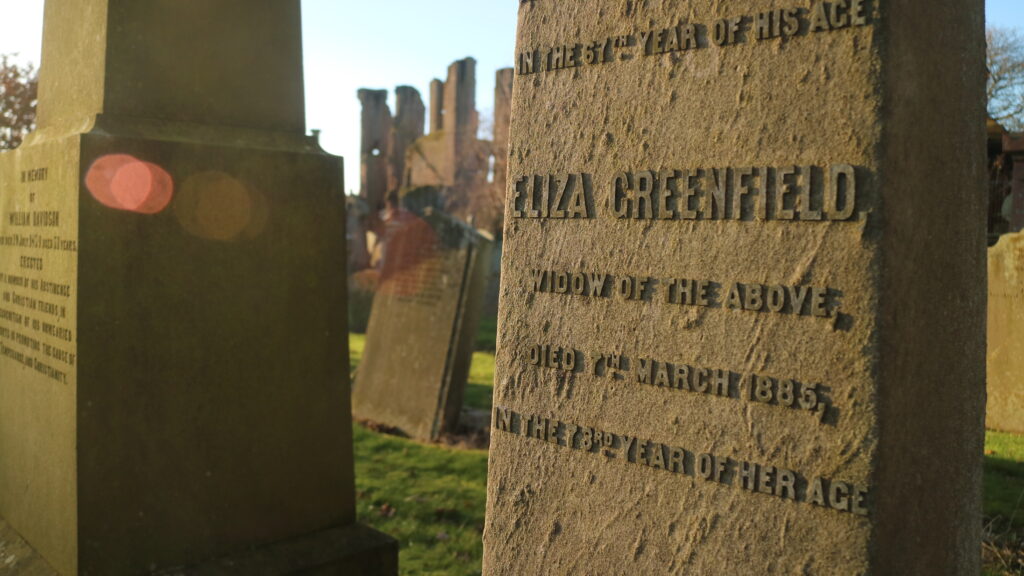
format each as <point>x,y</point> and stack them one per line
<point>742,302</point>
<point>173,377</point>
<point>423,326</point>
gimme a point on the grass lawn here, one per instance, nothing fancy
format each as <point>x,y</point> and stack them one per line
<point>1004,480</point>
<point>432,498</point>
<point>481,381</point>
<point>487,335</point>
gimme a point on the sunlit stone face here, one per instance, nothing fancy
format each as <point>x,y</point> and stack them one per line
<point>741,315</point>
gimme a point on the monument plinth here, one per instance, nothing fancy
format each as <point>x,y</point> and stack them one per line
<point>173,368</point>
<point>742,303</point>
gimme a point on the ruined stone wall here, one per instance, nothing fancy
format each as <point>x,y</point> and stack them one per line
<point>502,119</point>
<point>427,161</point>
<point>450,156</point>
<point>406,129</point>
<point>460,120</point>
<point>436,105</point>
<point>376,138</point>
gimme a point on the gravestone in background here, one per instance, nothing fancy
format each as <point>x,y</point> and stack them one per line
<point>742,315</point>
<point>173,368</point>
<point>1006,335</point>
<point>422,330</point>
<point>1014,146</point>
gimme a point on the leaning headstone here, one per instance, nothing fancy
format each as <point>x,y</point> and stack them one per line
<point>422,330</point>
<point>1006,335</point>
<point>742,302</point>
<point>173,376</point>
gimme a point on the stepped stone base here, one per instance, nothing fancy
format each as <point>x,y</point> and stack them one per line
<point>350,551</point>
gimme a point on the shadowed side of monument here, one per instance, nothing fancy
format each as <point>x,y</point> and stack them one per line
<point>931,289</point>
<point>173,378</point>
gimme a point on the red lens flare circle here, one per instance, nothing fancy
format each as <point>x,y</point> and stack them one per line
<point>124,182</point>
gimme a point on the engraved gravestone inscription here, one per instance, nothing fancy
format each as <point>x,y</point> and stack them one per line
<point>37,304</point>
<point>728,343</point>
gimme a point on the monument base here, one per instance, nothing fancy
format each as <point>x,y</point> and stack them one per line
<point>353,550</point>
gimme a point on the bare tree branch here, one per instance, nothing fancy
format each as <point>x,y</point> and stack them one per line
<point>1005,87</point>
<point>18,100</point>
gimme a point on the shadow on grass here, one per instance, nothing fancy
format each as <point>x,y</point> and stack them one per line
<point>1004,481</point>
<point>1003,546</point>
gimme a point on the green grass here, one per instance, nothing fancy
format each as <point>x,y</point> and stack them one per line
<point>356,343</point>
<point>432,498</point>
<point>1004,480</point>
<point>487,335</point>
<point>1004,504</point>
<point>480,386</point>
<point>481,371</point>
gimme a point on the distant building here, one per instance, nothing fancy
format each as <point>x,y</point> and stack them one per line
<point>469,172</point>
<point>1006,181</point>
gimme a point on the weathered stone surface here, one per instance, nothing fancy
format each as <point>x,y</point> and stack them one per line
<point>741,326</point>
<point>1006,335</point>
<point>173,376</point>
<point>423,326</point>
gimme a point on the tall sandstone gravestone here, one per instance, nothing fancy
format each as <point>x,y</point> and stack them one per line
<point>420,339</point>
<point>1006,335</point>
<point>173,368</point>
<point>742,316</point>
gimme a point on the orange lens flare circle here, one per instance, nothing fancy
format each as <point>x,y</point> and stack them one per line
<point>217,206</point>
<point>124,182</point>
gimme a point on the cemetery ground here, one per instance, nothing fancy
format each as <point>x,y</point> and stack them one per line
<point>431,498</point>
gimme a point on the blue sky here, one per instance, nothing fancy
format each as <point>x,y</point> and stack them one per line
<point>383,44</point>
<point>1005,13</point>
